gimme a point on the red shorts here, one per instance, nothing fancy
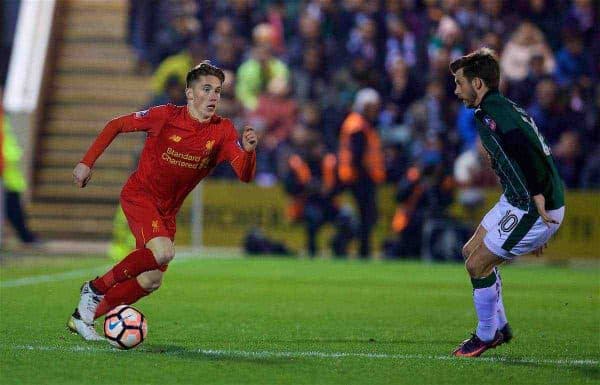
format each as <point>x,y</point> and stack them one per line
<point>145,220</point>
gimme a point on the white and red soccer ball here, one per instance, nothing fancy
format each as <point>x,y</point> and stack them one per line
<point>125,327</point>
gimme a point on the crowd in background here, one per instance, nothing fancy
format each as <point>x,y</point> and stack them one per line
<point>294,67</point>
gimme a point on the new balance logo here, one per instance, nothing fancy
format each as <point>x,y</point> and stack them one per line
<point>175,138</point>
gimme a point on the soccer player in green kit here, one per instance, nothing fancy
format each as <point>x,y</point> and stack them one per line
<point>531,207</point>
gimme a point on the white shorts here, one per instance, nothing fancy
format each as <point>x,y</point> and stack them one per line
<point>512,231</point>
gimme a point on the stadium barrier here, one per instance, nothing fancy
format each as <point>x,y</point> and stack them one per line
<point>232,209</point>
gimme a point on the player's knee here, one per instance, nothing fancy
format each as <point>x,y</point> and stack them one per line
<point>164,254</point>
<point>150,280</point>
<point>473,268</point>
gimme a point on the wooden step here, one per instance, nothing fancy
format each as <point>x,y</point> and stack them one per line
<point>70,192</point>
<point>100,112</point>
<point>105,33</point>
<point>100,176</point>
<point>106,64</point>
<point>70,159</point>
<point>92,95</point>
<point>88,16</point>
<point>103,82</point>
<point>84,228</point>
<point>116,6</point>
<point>122,143</point>
<point>87,23</point>
<point>96,50</point>
<point>74,127</point>
<point>71,210</point>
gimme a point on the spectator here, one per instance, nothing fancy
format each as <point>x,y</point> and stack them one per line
<point>581,16</point>
<point>526,42</point>
<point>174,93</point>
<point>401,91</point>
<point>401,43</point>
<point>276,113</point>
<point>226,56</point>
<point>312,183</point>
<point>544,110</point>
<point>567,154</point>
<point>13,181</point>
<point>572,62</point>
<point>179,26</point>
<point>434,110</point>
<point>223,35</point>
<point>307,37</point>
<point>178,66</point>
<point>546,16</point>
<point>363,42</point>
<point>310,80</point>
<point>254,75</point>
<point>361,165</point>
<point>448,35</point>
<point>522,91</point>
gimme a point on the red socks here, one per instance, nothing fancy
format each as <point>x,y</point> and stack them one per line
<point>124,293</point>
<point>131,266</point>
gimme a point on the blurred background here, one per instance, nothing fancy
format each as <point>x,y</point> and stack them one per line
<point>297,71</point>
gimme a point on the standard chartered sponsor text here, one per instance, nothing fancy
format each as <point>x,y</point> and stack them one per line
<point>179,159</point>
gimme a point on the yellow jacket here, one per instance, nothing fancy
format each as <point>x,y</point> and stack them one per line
<point>178,65</point>
<point>12,177</point>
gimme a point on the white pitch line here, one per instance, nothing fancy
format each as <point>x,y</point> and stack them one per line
<point>315,354</point>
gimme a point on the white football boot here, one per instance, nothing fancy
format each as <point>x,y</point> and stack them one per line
<point>86,331</point>
<point>88,303</point>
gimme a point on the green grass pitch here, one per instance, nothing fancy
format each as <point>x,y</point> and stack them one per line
<point>288,321</point>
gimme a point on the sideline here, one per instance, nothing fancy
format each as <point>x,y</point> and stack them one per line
<point>571,362</point>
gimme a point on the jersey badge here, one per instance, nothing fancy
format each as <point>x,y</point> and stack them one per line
<point>175,138</point>
<point>490,123</point>
<point>209,145</point>
<point>141,114</point>
<point>155,226</point>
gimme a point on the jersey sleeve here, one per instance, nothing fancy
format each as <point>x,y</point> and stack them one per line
<point>151,121</point>
<point>243,162</point>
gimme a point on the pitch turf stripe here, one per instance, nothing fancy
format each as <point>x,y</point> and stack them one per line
<point>81,273</point>
<point>313,354</point>
<point>45,278</point>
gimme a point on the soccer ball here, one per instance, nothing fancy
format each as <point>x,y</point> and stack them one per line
<point>125,327</point>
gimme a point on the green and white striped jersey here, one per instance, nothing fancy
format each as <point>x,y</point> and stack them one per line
<point>520,156</point>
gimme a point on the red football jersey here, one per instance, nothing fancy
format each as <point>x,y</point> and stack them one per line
<point>178,153</point>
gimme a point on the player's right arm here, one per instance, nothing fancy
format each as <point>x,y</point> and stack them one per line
<point>150,120</point>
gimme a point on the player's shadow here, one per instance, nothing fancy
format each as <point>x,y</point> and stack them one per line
<point>211,355</point>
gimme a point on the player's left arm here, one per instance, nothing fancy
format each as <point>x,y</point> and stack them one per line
<point>241,156</point>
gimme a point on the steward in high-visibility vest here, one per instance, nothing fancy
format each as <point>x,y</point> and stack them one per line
<point>12,177</point>
<point>13,181</point>
<point>425,193</point>
<point>312,183</point>
<point>361,165</point>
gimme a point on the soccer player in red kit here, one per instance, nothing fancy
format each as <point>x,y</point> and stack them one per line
<point>183,145</point>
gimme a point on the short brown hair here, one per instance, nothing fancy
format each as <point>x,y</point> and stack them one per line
<point>204,69</point>
<point>482,64</point>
